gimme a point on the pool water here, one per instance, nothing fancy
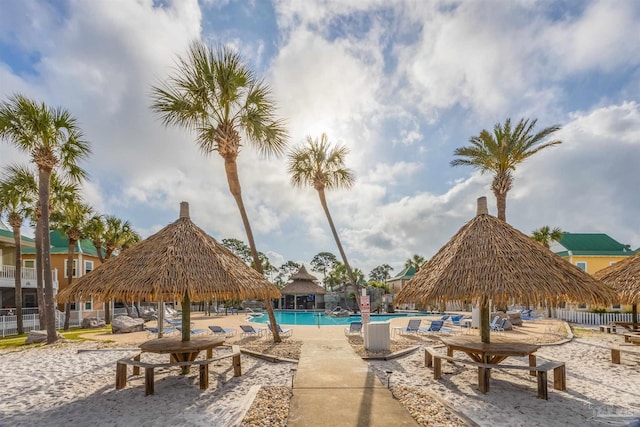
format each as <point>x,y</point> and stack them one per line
<point>318,318</point>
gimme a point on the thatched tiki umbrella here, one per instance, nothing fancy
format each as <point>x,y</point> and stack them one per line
<point>624,278</point>
<point>181,263</point>
<point>487,259</point>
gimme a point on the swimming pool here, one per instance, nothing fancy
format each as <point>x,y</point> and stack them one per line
<point>318,318</point>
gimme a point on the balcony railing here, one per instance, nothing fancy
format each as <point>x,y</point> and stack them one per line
<point>28,276</point>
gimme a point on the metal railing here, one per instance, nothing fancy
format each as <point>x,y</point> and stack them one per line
<point>27,274</point>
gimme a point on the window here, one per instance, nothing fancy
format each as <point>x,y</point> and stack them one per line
<point>29,263</point>
<point>616,307</point>
<point>88,266</point>
<point>88,305</point>
<point>581,265</point>
<point>75,272</point>
<point>582,306</point>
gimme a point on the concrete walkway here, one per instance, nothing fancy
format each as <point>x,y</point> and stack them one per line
<point>333,386</point>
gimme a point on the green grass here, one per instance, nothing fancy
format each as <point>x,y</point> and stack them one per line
<point>71,334</point>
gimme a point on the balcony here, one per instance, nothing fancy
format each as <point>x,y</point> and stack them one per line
<point>8,274</point>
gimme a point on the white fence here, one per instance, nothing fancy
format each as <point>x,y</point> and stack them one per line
<point>588,318</point>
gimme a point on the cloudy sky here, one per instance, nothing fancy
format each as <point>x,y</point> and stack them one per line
<point>401,84</point>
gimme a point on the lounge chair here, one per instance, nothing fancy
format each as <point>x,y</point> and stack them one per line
<point>282,332</point>
<point>217,330</point>
<point>500,326</point>
<point>166,331</point>
<point>494,322</point>
<point>445,317</point>
<point>455,320</point>
<point>413,327</point>
<point>193,331</point>
<point>355,328</point>
<point>248,330</point>
<point>436,326</point>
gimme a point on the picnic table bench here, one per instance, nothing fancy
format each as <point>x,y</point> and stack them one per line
<point>608,328</point>
<point>149,369</point>
<point>434,359</point>
<point>617,349</point>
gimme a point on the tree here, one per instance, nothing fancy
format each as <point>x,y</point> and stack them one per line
<point>53,139</point>
<point>380,273</point>
<point>501,152</point>
<point>17,198</point>
<point>322,262</point>
<point>285,272</point>
<point>71,221</point>
<point>239,249</point>
<point>545,235</point>
<point>322,167</point>
<point>214,94</point>
<point>416,262</point>
<point>94,231</point>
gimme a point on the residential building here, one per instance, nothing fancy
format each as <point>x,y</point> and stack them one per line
<point>8,271</point>
<point>396,284</point>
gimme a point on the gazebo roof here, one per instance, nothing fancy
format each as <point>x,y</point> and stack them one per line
<point>303,283</point>
<point>624,278</point>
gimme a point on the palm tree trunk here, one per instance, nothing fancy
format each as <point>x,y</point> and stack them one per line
<point>99,251</point>
<point>18,277</point>
<point>323,202</point>
<point>67,306</point>
<point>231,168</point>
<point>501,201</point>
<point>42,313</point>
<point>44,179</point>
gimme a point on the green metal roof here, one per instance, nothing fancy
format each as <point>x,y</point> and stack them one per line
<point>592,244</point>
<point>407,273</point>
<point>6,234</point>
<point>60,245</point>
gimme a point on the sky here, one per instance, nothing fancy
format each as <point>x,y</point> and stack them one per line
<point>401,84</point>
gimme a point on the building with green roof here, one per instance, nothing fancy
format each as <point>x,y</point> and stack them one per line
<point>8,271</point>
<point>592,251</point>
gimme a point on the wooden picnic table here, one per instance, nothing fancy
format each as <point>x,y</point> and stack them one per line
<point>492,353</point>
<point>631,326</point>
<point>182,351</point>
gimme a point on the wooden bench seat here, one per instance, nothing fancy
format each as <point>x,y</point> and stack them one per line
<point>617,349</point>
<point>434,359</point>
<point>149,369</point>
<point>608,328</point>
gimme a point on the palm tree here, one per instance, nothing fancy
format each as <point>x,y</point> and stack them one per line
<point>71,221</point>
<point>416,262</point>
<point>501,152</point>
<point>116,234</point>
<point>322,167</point>
<point>545,235</point>
<point>94,230</point>
<point>17,197</point>
<point>214,94</point>
<point>54,140</point>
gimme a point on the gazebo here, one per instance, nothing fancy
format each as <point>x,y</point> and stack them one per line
<point>302,292</point>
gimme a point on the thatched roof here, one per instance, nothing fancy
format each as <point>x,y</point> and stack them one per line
<point>489,259</point>
<point>624,278</point>
<point>181,258</point>
<point>303,283</point>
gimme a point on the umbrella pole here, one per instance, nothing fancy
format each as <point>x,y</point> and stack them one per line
<point>634,316</point>
<point>160,317</point>
<point>186,318</point>
<point>484,323</point>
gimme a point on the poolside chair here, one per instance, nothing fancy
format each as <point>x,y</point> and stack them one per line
<point>455,320</point>
<point>355,328</point>
<point>413,327</point>
<point>193,331</point>
<point>436,326</point>
<point>494,322</point>
<point>248,331</point>
<point>154,331</point>
<point>283,332</point>
<point>217,330</point>
<point>445,317</point>
<point>499,327</point>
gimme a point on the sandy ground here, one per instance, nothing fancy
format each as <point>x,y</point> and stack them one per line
<point>57,385</point>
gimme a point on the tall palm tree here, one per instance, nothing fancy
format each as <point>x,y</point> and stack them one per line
<point>17,197</point>
<point>71,221</point>
<point>318,165</point>
<point>545,235</point>
<point>214,94</point>
<point>416,262</point>
<point>501,151</point>
<point>54,140</point>
<point>94,230</point>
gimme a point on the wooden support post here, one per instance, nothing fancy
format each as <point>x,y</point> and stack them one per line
<point>559,378</point>
<point>204,376</point>
<point>237,368</point>
<point>148,381</point>
<point>484,376</point>
<point>542,385</point>
<point>209,353</point>
<point>532,362</point>
<point>437,368</point>
<point>615,356</point>
<point>428,359</point>
<point>136,369</point>
<point>121,375</point>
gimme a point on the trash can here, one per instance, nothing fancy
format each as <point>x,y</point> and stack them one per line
<point>377,336</point>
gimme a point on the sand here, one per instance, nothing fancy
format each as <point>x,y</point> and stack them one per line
<point>57,385</point>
